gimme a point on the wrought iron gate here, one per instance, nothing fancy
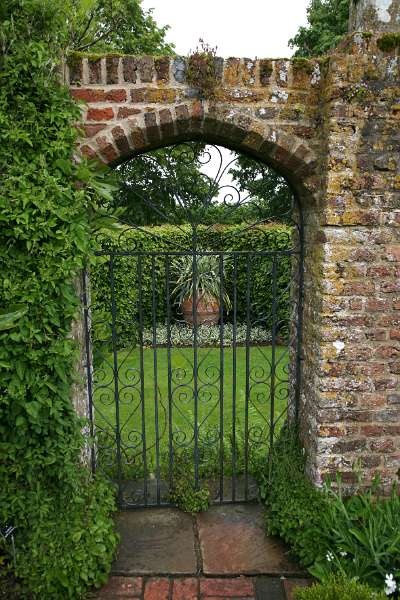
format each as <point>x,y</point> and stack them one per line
<point>193,354</point>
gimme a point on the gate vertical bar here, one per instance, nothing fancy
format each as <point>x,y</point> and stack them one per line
<point>195,360</point>
<point>234,383</point>
<point>273,356</point>
<point>141,360</point>
<point>115,373</point>
<point>170,416</point>
<point>221,378</point>
<point>155,367</point>
<point>247,397</point>
<point>89,367</point>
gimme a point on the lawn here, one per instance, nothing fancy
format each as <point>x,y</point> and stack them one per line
<point>170,410</point>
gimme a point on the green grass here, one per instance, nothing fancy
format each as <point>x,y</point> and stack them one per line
<point>178,415</point>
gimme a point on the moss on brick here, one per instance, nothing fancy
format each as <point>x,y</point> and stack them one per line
<point>388,42</point>
<point>302,65</point>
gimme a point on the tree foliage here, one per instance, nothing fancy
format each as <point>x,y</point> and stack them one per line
<point>327,24</point>
<point>116,25</point>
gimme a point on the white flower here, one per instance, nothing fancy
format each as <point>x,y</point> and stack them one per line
<point>343,553</point>
<point>329,556</point>
<point>390,585</point>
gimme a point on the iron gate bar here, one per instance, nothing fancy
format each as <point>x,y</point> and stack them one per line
<point>169,344</point>
<point>234,364</point>
<point>247,397</point>
<point>221,379</point>
<point>195,359</point>
<point>273,360</point>
<point>154,320</point>
<point>115,368</point>
<point>141,360</point>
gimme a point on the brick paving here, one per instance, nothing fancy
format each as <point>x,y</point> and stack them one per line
<point>200,588</point>
<point>222,554</point>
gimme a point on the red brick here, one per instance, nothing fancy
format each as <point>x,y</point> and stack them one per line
<point>122,587</point>
<point>100,114</point>
<point>88,151</point>
<point>393,252</point>
<point>116,95</point>
<point>388,352</point>
<point>376,304</point>
<point>107,149</point>
<point>91,130</point>
<point>238,587</point>
<point>157,589</point>
<point>372,430</point>
<point>127,111</point>
<point>185,589</point>
<point>88,94</point>
<point>382,446</point>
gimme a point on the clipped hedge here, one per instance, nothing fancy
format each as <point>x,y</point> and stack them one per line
<point>173,238</point>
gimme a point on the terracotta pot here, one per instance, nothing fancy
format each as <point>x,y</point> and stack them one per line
<point>207,311</point>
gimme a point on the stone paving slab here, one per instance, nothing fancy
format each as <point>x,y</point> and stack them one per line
<point>155,542</point>
<point>233,541</point>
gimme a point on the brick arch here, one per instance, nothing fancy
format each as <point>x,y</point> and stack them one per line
<point>119,141</point>
<point>267,108</point>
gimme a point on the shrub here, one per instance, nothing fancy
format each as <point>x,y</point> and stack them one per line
<point>184,493</point>
<point>364,536</point>
<point>357,537</point>
<point>294,506</point>
<point>69,544</point>
<point>46,201</point>
<point>338,588</point>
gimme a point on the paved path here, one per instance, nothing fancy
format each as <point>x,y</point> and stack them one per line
<point>222,554</point>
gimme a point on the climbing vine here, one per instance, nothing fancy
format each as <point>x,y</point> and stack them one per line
<point>64,535</point>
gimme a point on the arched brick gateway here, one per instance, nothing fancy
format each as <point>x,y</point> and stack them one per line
<point>331,127</point>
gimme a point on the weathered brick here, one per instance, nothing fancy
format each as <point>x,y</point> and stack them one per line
<point>157,589</point>
<point>116,95</point>
<point>166,123</point>
<point>88,94</point>
<point>100,114</point>
<point>127,111</point>
<point>121,140</point>
<point>185,589</point>
<point>153,133</point>
<point>94,70</point>
<point>240,587</point>
<point>146,69</point>
<point>112,64</point>
<point>129,67</point>
<point>107,149</point>
<point>91,130</point>
<point>162,68</point>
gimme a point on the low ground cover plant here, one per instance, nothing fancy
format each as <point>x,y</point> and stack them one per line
<point>339,588</point>
<point>355,537</point>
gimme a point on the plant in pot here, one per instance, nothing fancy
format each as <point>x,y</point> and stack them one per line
<point>207,273</point>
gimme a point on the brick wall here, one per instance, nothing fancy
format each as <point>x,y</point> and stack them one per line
<point>331,127</point>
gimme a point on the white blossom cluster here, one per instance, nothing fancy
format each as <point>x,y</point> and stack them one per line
<point>207,335</point>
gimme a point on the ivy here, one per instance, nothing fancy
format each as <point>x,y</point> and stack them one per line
<point>45,204</point>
